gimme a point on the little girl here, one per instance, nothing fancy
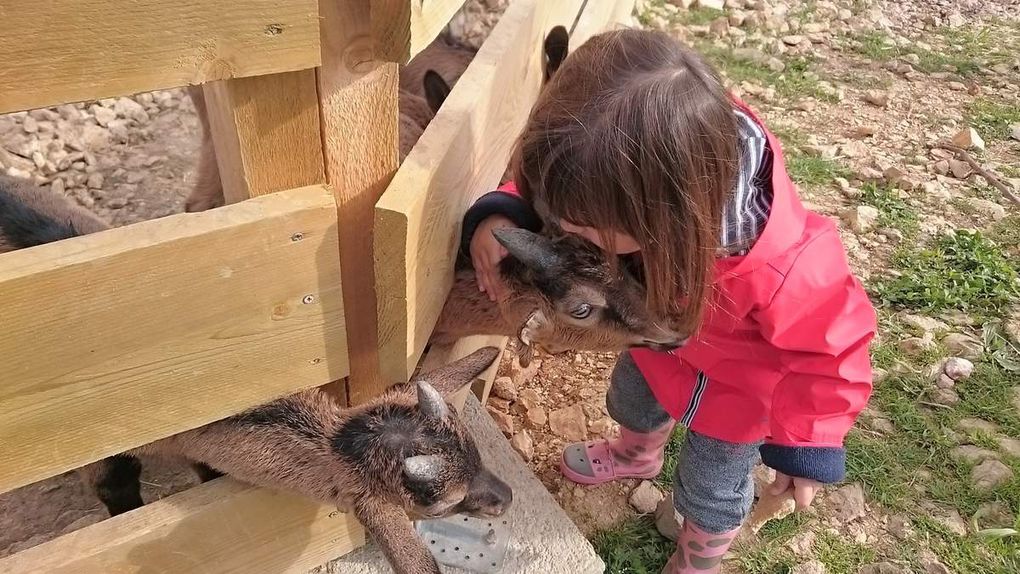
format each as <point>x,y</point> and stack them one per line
<point>635,145</point>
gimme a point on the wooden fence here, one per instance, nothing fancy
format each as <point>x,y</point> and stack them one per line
<point>113,340</point>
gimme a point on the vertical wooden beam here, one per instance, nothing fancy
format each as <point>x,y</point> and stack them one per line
<point>402,28</point>
<point>266,133</point>
<point>358,100</point>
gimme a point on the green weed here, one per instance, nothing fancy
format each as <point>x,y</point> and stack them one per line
<point>964,271</point>
<point>634,547</point>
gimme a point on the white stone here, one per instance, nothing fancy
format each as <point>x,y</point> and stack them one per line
<point>646,497</point>
<point>968,138</point>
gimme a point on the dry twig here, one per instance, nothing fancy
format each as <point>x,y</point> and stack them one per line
<point>992,178</point>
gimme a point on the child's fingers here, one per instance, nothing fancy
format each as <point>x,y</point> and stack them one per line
<point>803,495</point>
<point>780,485</point>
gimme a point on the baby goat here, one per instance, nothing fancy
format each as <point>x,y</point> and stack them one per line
<point>563,294</point>
<point>403,455</point>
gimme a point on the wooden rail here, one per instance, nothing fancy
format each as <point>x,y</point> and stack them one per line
<point>462,154</point>
<point>57,51</point>
<point>120,338</point>
<point>221,526</point>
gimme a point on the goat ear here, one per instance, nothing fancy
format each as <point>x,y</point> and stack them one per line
<point>556,47</point>
<point>436,90</point>
<point>431,402</point>
<point>423,468</point>
<point>451,378</point>
<point>534,250</point>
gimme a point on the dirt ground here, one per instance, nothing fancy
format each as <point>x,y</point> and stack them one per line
<point>885,80</point>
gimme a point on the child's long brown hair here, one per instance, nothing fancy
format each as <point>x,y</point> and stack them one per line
<point>635,133</point>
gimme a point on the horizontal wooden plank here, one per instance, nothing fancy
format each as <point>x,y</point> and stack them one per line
<point>123,337</point>
<point>402,28</point>
<point>59,51</point>
<point>462,154</point>
<point>220,526</point>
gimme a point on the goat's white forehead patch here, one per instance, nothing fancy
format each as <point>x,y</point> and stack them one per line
<point>474,544</point>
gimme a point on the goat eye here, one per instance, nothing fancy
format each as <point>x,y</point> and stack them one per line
<point>582,311</point>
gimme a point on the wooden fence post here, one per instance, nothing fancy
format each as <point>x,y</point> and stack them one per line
<point>358,101</point>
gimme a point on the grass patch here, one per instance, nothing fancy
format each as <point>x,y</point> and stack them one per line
<point>992,118</point>
<point>841,556</point>
<point>965,271</point>
<point>699,16</point>
<point>797,80</point>
<point>893,210</point>
<point>668,473</point>
<point>634,547</point>
<point>961,50</point>
<point>1006,232</point>
<point>814,170</point>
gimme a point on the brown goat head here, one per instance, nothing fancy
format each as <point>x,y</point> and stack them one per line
<point>584,302</point>
<point>418,452</point>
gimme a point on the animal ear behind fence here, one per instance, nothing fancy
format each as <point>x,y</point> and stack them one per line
<point>451,378</point>
<point>436,90</point>
<point>556,47</point>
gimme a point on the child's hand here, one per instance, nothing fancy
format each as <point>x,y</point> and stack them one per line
<point>804,489</point>
<point>486,253</point>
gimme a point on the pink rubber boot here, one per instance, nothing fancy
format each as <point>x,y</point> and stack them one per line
<point>698,552</point>
<point>632,455</point>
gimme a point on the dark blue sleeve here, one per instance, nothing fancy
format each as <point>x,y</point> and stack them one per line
<point>824,464</point>
<point>508,205</point>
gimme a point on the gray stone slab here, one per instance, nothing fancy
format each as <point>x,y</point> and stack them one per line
<point>544,541</point>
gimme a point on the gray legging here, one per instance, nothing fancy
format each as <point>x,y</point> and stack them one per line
<point>713,486</point>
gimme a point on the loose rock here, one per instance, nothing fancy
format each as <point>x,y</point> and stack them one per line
<point>972,454</point>
<point>536,417</point>
<point>862,218</point>
<point>103,115</point>
<point>1014,131</point>
<point>801,544</point>
<point>923,324</point>
<point>946,397</point>
<point>900,527</point>
<point>877,98</point>
<point>646,497</point>
<point>883,568</point>
<point>973,426</point>
<point>503,422</point>
<point>986,208</point>
<point>1010,446</point>
<point>968,138</point>
<point>713,4</point>
<point>931,564</point>
<point>30,125</point>
<point>95,180</point>
<point>917,345</point>
<point>504,388</point>
<point>958,368</point>
<point>959,168</point>
<point>952,521</point>
<point>524,445</point>
<point>848,503</point>
<point>569,423</point>
<point>990,474</point>
<point>812,567</point>
<point>964,346</point>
